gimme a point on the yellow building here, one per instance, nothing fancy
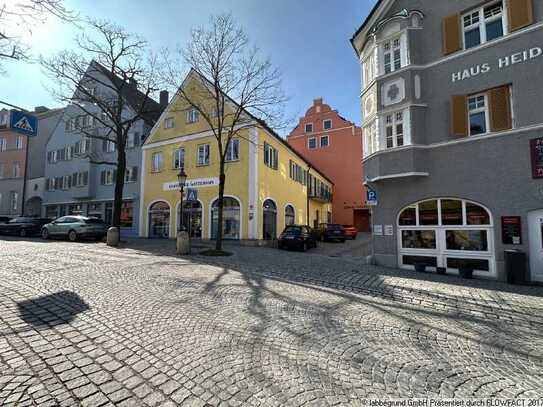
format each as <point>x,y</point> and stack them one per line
<point>268,185</point>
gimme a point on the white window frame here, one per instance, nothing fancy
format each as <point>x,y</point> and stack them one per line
<point>309,140</point>
<point>393,124</point>
<point>169,123</point>
<point>371,138</point>
<point>324,137</point>
<point>324,124</point>
<point>483,22</point>
<point>479,110</point>
<point>369,70</point>
<point>177,157</point>
<point>129,175</point>
<point>19,142</point>
<point>193,116</point>
<point>203,157</point>
<point>395,44</point>
<point>305,128</point>
<point>3,144</point>
<point>230,156</point>
<point>157,161</point>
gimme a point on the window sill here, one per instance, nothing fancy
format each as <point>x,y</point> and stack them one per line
<point>156,171</point>
<point>203,165</point>
<point>232,161</point>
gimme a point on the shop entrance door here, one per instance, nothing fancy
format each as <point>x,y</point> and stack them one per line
<point>535,227</point>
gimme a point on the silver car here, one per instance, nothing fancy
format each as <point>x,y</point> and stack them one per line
<point>74,228</point>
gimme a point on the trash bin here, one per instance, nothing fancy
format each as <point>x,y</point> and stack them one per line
<point>515,266</point>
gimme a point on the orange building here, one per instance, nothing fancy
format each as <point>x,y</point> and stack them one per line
<point>334,145</point>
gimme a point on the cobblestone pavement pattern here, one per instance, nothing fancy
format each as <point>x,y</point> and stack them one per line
<point>84,324</point>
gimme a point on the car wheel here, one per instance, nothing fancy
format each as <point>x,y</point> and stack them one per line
<point>72,236</point>
<point>22,233</point>
<point>44,234</point>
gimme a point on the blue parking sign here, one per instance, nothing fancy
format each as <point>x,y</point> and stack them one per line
<point>24,123</point>
<point>371,197</point>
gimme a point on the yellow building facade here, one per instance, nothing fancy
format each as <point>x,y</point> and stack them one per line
<point>268,185</point>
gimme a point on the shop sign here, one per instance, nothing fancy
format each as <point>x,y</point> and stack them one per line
<point>501,63</point>
<point>536,150</point>
<point>511,230</point>
<point>192,183</point>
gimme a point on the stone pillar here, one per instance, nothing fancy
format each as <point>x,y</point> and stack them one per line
<point>113,236</point>
<point>183,243</point>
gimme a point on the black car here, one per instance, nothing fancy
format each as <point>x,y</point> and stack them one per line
<point>4,219</point>
<point>298,237</point>
<point>23,226</point>
<point>331,231</point>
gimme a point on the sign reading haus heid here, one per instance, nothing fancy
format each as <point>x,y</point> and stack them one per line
<point>500,63</point>
<point>192,183</point>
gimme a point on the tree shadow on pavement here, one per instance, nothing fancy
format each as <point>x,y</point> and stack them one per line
<point>52,309</point>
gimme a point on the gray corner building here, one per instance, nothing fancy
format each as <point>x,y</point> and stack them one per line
<point>453,132</point>
<point>74,183</point>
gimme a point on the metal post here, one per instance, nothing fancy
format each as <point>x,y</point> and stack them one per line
<point>182,212</point>
<point>25,177</point>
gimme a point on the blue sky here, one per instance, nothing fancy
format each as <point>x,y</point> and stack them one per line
<point>308,40</point>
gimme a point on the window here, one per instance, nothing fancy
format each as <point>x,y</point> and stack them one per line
<point>179,158</point>
<point>327,124</point>
<point>133,140</point>
<point>392,55</point>
<point>467,240</point>
<point>19,142</point>
<point>419,239</point>
<point>16,169</point>
<point>232,151</point>
<point>66,182</point>
<point>131,174</point>
<point>297,173</point>
<point>312,143</point>
<point>108,146</point>
<point>394,130</point>
<point>324,141</point>
<point>309,128</point>
<point>157,162</point>
<point>193,116</point>
<point>80,179</point>
<point>289,215</point>
<point>13,202</point>
<point>168,123</point>
<point>3,145</point>
<point>370,137</point>
<point>368,70</point>
<point>478,114</point>
<point>127,214</point>
<point>483,25</point>
<point>1,170</point>
<point>271,156</point>
<point>68,152</point>
<point>203,154</point>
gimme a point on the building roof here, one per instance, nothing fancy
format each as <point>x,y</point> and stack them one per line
<point>132,96</point>
<point>366,21</point>
<point>266,127</point>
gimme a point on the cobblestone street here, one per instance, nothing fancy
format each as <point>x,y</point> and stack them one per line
<point>85,324</point>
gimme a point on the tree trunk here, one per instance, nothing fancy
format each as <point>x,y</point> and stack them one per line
<point>222,179</point>
<point>119,187</point>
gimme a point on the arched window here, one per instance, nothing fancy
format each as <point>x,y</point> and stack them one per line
<point>192,218</point>
<point>447,232</point>
<point>290,217</point>
<point>159,220</point>
<point>269,220</point>
<point>231,218</point>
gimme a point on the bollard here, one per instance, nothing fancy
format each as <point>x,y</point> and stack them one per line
<point>113,236</point>
<point>183,243</point>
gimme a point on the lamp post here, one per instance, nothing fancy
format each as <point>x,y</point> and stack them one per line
<point>182,178</point>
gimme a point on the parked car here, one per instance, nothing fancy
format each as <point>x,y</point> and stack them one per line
<point>4,219</point>
<point>350,231</point>
<point>331,231</point>
<point>298,237</point>
<point>23,226</point>
<point>75,227</point>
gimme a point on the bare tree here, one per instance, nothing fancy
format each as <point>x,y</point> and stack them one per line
<point>14,15</point>
<point>110,79</point>
<point>240,90</point>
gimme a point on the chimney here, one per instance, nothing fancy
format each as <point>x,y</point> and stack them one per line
<point>164,96</point>
<point>317,101</point>
<point>40,109</point>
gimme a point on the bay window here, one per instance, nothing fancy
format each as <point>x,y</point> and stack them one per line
<point>371,143</point>
<point>394,130</point>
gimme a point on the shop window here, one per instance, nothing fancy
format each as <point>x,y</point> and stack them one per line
<point>451,212</point>
<point>476,215</point>
<point>408,217</point>
<point>127,214</point>
<point>467,240</point>
<point>231,219</point>
<point>426,260</point>
<point>419,239</point>
<point>159,220</point>
<point>475,264</point>
<point>428,214</point>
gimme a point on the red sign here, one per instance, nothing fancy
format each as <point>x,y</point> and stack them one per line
<point>536,149</point>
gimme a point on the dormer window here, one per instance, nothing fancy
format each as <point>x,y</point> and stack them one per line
<point>309,128</point>
<point>483,25</point>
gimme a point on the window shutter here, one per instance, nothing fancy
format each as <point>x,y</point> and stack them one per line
<point>459,116</point>
<point>452,37</point>
<point>500,109</point>
<point>521,14</point>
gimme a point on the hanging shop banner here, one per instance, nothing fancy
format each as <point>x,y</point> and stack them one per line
<point>536,150</point>
<point>511,230</point>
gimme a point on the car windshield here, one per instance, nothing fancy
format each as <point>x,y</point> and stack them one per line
<point>293,230</point>
<point>94,221</point>
<point>335,227</point>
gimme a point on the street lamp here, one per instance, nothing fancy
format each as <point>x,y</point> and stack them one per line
<point>182,178</point>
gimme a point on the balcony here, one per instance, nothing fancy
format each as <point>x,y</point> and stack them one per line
<point>322,196</point>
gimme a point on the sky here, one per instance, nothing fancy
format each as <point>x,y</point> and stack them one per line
<point>308,40</point>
